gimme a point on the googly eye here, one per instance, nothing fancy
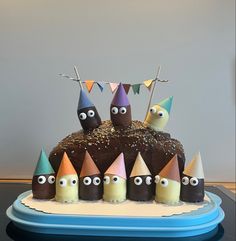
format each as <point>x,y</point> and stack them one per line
<point>138,181</point>
<point>160,113</point>
<point>164,182</point>
<point>73,181</point>
<point>115,179</point>
<point>185,181</point>
<point>157,178</point>
<point>96,181</point>
<point>87,181</point>
<point>114,110</point>
<point>123,110</point>
<point>106,180</point>
<point>62,182</point>
<point>51,179</point>
<point>194,181</point>
<point>148,180</point>
<point>153,110</point>
<point>41,179</point>
<point>82,116</point>
<point>91,113</point>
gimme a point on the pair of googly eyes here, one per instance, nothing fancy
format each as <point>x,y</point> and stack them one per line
<point>71,182</point>
<point>114,179</point>
<point>42,179</point>
<point>160,113</point>
<point>83,115</point>
<point>138,181</point>
<point>193,181</point>
<point>163,181</point>
<point>88,180</point>
<point>115,110</point>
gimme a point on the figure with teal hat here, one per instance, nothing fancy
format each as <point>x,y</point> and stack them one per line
<point>120,109</point>
<point>43,182</point>
<point>158,115</point>
<point>87,113</point>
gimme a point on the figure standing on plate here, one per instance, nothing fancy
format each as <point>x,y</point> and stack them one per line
<point>120,109</point>
<point>192,185</point>
<point>43,182</point>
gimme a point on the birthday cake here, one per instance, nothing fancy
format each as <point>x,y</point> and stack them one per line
<point>133,164</point>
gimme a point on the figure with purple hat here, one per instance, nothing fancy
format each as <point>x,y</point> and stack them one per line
<point>87,113</point>
<point>120,108</point>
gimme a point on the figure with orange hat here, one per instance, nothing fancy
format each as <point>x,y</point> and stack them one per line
<point>158,116</point>
<point>192,185</point>
<point>66,182</point>
<point>168,183</point>
<point>114,182</point>
<point>120,109</point>
<point>43,182</point>
<point>87,113</point>
<point>90,185</point>
<point>140,181</point>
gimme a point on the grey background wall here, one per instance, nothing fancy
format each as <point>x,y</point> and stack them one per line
<point>116,41</point>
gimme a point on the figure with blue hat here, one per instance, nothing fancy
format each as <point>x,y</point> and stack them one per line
<point>87,113</point>
<point>43,182</point>
<point>158,115</point>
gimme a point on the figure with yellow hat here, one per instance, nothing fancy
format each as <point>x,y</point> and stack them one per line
<point>66,182</point>
<point>140,181</point>
<point>158,115</point>
<point>114,182</point>
<point>90,184</point>
<point>168,183</point>
<point>192,185</point>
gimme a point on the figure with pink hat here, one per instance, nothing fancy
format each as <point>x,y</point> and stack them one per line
<point>114,182</point>
<point>120,108</point>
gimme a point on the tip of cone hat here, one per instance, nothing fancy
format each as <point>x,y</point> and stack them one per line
<point>140,168</point>
<point>117,167</point>
<point>171,169</point>
<point>84,101</point>
<point>66,167</point>
<point>120,98</point>
<point>195,168</point>
<point>166,103</point>
<point>89,167</point>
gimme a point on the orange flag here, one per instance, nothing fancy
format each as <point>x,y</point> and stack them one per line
<point>89,84</point>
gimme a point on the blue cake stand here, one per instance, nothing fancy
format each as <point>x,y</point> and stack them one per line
<point>197,222</point>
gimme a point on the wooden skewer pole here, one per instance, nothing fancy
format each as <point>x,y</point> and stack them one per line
<point>78,77</point>
<point>152,92</point>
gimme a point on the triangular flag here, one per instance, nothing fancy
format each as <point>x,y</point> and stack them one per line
<point>113,86</point>
<point>136,88</point>
<point>148,83</point>
<point>126,87</point>
<point>100,85</point>
<point>89,84</point>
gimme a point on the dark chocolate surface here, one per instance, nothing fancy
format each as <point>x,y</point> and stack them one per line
<point>106,142</point>
<point>120,119</point>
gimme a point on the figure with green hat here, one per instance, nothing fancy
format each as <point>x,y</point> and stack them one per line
<point>43,183</point>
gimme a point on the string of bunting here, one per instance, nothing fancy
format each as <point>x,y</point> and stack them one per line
<point>89,84</point>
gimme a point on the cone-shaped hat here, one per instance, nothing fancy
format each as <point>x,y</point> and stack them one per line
<point>43,165</point>
<point>171,169</point>
<point>166,103</point>
<point>89,168</point>
<point>118,167</point>
<point>84,101</point>
<point>194,168</point>
<point>140,168</point>
<point>66,168</point>
<point>120,98</point>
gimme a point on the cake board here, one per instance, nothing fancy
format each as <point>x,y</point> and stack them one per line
<point>194,223</point>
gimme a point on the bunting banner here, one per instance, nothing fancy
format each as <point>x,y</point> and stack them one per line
<point>113,85</point>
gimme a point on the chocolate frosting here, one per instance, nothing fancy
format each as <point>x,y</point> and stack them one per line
<point>91,191</point>
<point>189,193</point>
<point>106,142</point>
<point>45,190</point>
<point>90,122</point>
<point>142,192</point>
